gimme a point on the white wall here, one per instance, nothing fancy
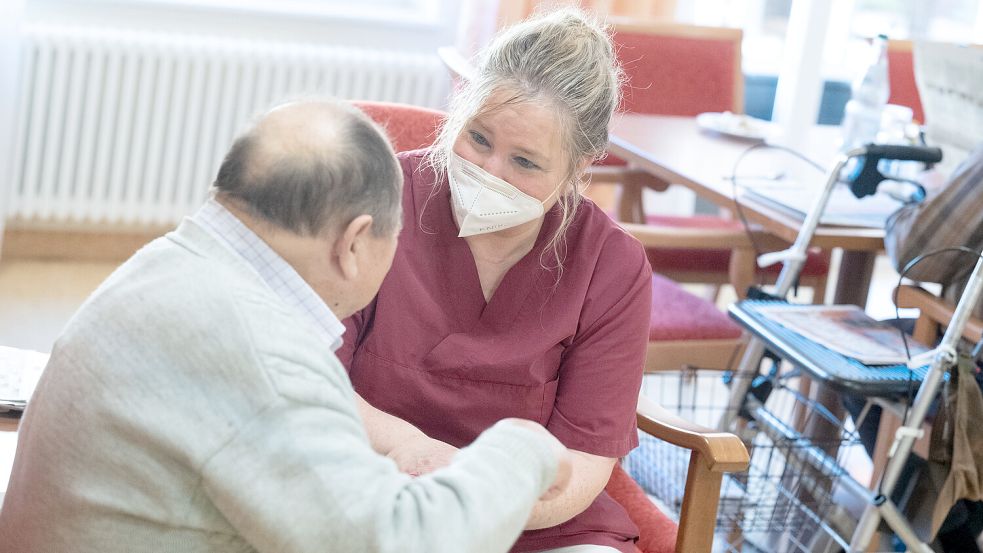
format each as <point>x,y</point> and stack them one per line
<point>158,16</point>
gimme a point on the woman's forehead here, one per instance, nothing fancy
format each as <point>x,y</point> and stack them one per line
<point>525,124</point>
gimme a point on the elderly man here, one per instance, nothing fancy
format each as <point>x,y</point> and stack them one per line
<point>189,405</point>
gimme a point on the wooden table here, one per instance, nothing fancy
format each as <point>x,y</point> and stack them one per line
<point>675,150</point>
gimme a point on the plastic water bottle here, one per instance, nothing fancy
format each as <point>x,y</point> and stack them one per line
<point>862,118</point>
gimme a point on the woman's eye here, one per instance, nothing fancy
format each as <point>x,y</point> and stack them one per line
<point>478,138</point>
<point>525,163</point>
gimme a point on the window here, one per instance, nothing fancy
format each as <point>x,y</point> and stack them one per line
<point>404,11</point>
<point>852,23</point>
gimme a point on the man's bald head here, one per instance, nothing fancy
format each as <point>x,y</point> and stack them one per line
<point>313,166</point>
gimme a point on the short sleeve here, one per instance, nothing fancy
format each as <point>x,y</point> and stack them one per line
<point>601,371</point>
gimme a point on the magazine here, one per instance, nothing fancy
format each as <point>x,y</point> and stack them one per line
<point>845,329</point>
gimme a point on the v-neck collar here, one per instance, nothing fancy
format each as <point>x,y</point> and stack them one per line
<point>461,270</point>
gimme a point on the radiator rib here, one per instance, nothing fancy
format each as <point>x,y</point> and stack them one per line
<point>120,128</point>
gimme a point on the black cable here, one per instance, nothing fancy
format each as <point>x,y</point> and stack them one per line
<point>739,209</point>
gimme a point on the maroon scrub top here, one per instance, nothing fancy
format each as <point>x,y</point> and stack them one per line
<point>567,354</point>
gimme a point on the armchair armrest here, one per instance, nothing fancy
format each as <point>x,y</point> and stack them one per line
<point>723,451</point>
<point>656,236</point>
<point>933,312</point>
<point>713,453</point>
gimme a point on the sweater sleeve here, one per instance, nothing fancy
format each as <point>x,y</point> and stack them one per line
<point>952,216</point>
<point>300,476</point>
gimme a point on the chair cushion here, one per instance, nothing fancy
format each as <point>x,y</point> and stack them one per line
<point>679,315</point>
<point>657,532</point>
<point>669,260</point>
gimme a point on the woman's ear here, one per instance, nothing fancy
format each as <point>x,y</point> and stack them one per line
<point>584,164</point>
<point>582,179</point>
<point>351,244</point>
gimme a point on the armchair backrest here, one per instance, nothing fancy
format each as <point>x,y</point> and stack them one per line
<point>901,78</point>
<point>678,69</point>
<point>409,127</point>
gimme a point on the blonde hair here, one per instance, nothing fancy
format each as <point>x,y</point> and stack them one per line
<point>563,58</point>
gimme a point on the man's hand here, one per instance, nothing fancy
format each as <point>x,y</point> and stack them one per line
<point>564,468</point>
<point>421,455</point>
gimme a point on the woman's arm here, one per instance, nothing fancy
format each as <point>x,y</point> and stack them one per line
<point>590,475</point>
<point>415,453</point>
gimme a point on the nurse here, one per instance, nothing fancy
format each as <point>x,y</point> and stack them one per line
<point>510,294</point>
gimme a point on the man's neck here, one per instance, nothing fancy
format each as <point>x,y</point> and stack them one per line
<point>308,255</point>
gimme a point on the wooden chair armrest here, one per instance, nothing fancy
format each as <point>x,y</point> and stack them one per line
<point>722,451</point>
<point>660,236</point>
<point>626,176</point>
<point>935,309</point>
<point>712,454</point>
<point>457,64</point>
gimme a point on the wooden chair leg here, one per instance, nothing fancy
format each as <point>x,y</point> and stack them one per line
<point>741,270</point>
<point>630,205</point>
<point>819,290</point>
<point>698,515</point>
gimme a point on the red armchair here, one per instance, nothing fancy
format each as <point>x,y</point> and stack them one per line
<point>409,127</point>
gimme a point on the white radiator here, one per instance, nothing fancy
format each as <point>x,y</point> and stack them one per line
<point>124,128</point>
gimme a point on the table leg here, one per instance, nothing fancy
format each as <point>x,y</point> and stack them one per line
<point>853,279</point>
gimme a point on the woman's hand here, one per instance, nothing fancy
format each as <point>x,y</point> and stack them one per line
<point>422,455</point>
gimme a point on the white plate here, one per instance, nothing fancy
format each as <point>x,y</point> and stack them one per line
<point>735,125</point>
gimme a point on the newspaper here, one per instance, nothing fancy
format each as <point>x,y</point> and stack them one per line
<point>20,370</point>
<point>845,329</point>
<point>950,83</point>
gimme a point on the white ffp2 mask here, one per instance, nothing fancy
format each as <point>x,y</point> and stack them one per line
<point>484,203</point>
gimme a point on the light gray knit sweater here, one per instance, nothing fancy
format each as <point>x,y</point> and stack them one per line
<point>185,409</point>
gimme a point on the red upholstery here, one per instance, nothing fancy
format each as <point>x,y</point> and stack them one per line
<point>668,260</point>
<point>901,76</point>
<point>678,315</point>
<point>672,75</point>
<point>657,532</point>
<point>409,127</point>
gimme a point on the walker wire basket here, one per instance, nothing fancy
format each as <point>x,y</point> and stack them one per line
<point>789,499</point>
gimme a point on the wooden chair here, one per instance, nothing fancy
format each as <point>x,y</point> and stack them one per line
<point>677,69</point>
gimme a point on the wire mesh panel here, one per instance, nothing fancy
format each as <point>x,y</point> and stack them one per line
<point>790,499</point>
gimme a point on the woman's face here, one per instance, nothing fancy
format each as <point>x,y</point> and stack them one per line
<point>520,144</point>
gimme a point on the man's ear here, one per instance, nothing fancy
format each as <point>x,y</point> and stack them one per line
<point>350,243</point>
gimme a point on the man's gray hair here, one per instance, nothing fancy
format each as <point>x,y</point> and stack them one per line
<point>330,164</point>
